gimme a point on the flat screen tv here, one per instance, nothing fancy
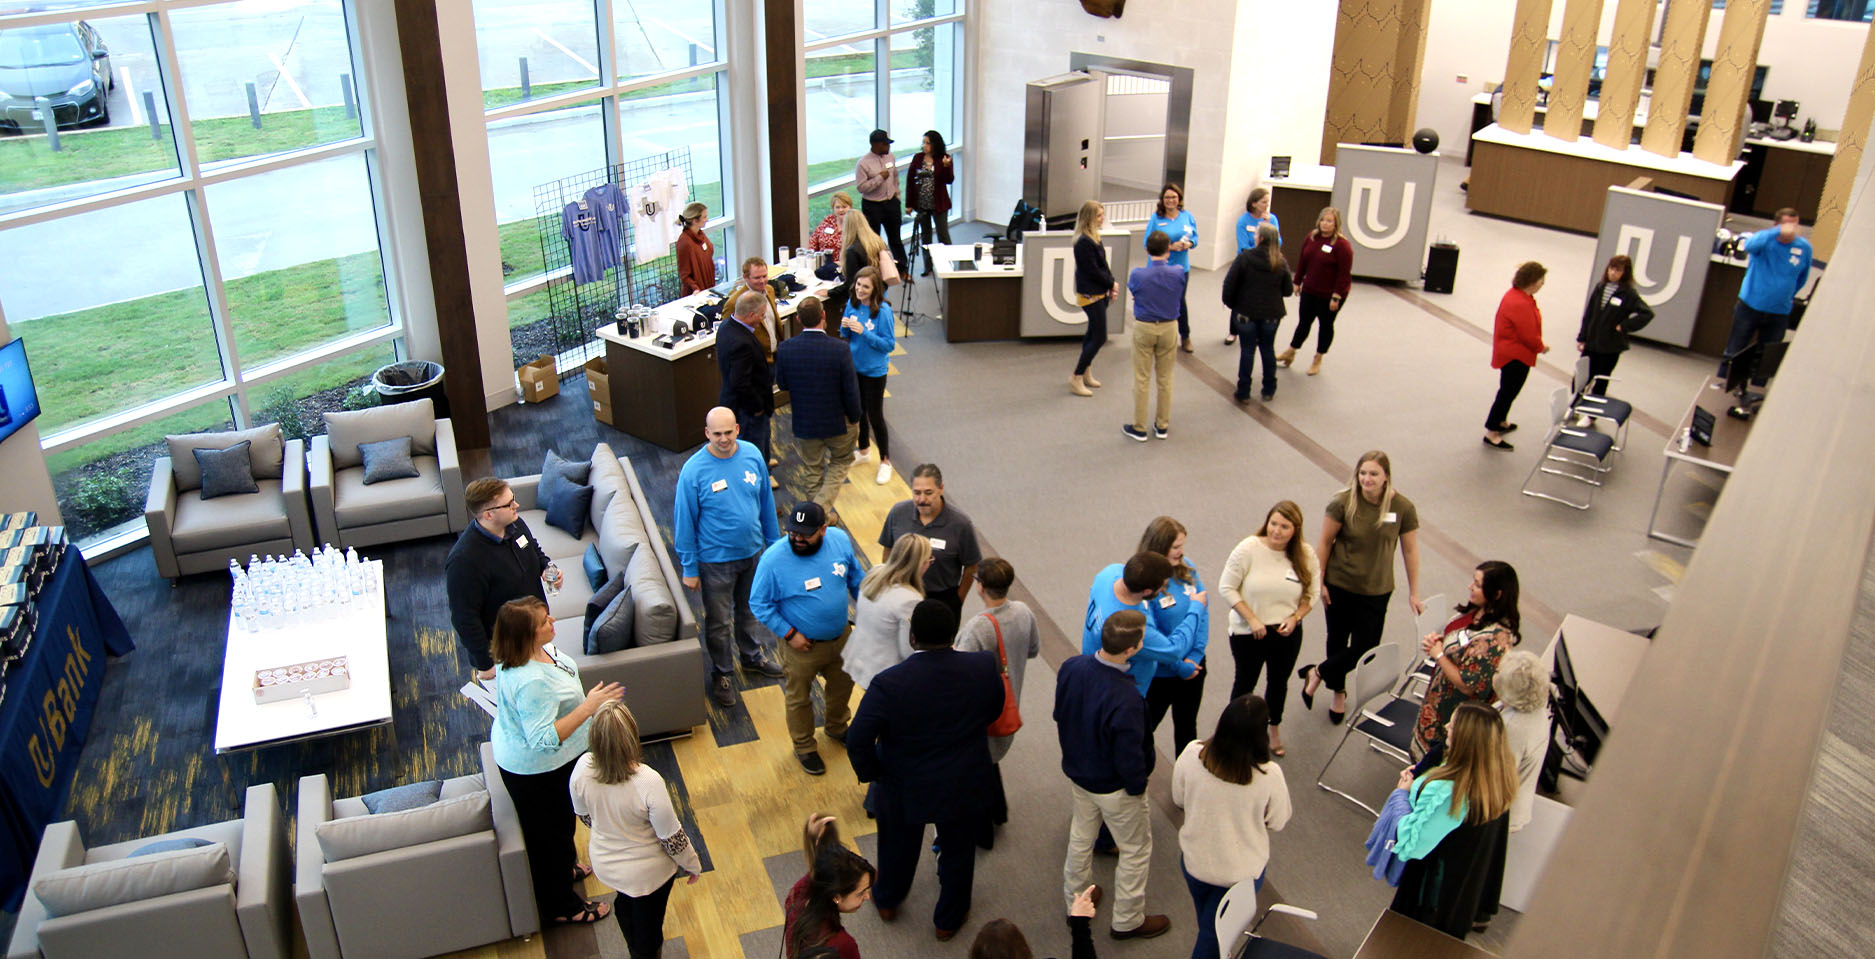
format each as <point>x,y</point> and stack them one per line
<point>19,401</point>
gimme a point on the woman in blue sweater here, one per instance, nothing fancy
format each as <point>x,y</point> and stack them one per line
<point>867,326</point>
<point>1171,218</point>
<point>1182,596</point>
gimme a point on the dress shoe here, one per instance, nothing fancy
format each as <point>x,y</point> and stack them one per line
<point>1078,386</point>
<point>1308,698</point>
<point>1088,378</point>
<point>1184,346</point>
<point>764,666</point>
<point>812,762</point>
<point>945,935</point>
<point>723,690</point>
<point>1335,716</point>
<point>1286,357</point>
<point>887,913</point>
<point>1155,925</point>
<point>1316,366</point>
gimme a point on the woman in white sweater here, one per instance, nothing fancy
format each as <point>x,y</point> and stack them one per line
<point>638,844</point>
<point>881,635</point>
<point>1233,797</point>
<point>1271,581</point>
<point>1523,684</point>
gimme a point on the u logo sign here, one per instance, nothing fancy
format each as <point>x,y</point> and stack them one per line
<point>1364,213</point>
<point>1058,299</point>
<point>1638,243</point>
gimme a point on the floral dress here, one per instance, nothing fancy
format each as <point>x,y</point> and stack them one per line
<point>1476,652</point>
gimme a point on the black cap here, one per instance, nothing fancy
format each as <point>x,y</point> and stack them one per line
<point>880,136</point>
<point>806,517</point>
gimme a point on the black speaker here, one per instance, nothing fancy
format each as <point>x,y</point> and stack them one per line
<point>1441,267</point>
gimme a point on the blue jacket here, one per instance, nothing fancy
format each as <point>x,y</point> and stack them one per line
<point>872,350</point>
<point>748,384</point>
<point>1157,289</point>
<point>807,594</point>
<point>1169,618</point>
<point>724,510</point>
<point>1159,648</point>
<point>919,734</point>
<point>1180,227</point>
<point>1776,272</point>
<point>1387,866</point>
<point>817,371</point>
<point>1247,229</point>
<point>1101,723</point>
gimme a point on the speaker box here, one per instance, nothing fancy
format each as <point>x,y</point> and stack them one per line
<point>1441,267</point>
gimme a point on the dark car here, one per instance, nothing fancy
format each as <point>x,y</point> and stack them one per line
<point>66,64</point>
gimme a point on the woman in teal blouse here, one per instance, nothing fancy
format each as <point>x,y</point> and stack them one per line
<point>1454,838</point>
<point>541,715</point>
<point>1172,219</point>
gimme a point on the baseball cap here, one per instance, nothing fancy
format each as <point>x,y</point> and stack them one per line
<point>806,517</point>
<point>880,136</point>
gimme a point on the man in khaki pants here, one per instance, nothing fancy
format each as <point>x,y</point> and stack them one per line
<point>1157,289</point>
<point>816,369</point>
<point>801,589</point>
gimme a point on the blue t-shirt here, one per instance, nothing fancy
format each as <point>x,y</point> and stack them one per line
<point>1776,271</point>
<point>872,350</point>
<point>1157,289</point>
<point>806,593</point>
<point>1158,649</point>
<point>1168,617</point>
<point>1247,229</point>
<point>725,510</point>
<point>1180,227</point>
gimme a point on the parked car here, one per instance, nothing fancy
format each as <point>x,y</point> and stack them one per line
<point>66,63</point>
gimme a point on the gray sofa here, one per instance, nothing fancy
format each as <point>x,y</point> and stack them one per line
<point>225,899</point>
<point>664,674</point>
<point>440,878</point>
<point>351,513</point>
<point>189,534</point>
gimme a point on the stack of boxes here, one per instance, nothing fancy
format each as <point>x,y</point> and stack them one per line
<point>29,554</point>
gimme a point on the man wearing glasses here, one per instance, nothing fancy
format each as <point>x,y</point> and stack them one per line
<point>495,560</point>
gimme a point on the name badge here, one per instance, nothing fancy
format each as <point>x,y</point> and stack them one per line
<point>521,541</point>
<point>936,543</point>
<point>1390,518</point>
<point>719,486</point>
<point>1328,248</point>
<point>1167,602</point>
<point>1292,577</point>
<point>1464,638</point>
<point>812,584</point>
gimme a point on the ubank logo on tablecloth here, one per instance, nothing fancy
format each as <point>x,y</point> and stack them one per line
<point>1364,198</point>
<point>1638,243</point>
<point>1058,299</point>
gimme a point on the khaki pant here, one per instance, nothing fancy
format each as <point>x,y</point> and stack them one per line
<point>798,670</point>
<point>1129,818</point>
<point>1155,345</point>
<point>827,460</point>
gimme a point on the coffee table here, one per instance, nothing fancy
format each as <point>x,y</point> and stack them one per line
<point>355,632</point>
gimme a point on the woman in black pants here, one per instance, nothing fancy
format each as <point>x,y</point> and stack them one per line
<point>1614,309</point>
<point>1270,581</point>
<point>1364,524</point>
<point>1324,271</point>
<point>1516,340</point>
<point>1095,287</point>
<point>1183,595</point>
<point>1254,289</point>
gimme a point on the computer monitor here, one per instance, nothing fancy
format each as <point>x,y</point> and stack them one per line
<point>1785,109</point>
<point>1697,107</point>
<point>1755,364</point>
<point>19,399</point>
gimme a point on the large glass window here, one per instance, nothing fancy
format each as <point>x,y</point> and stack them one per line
<point>663,37</point>
<point>842,108</point>
<point>526,151</point>
<point>834,18</point>
<point>101,486</point>
<point>1863,10</point>
<point>535,48</point>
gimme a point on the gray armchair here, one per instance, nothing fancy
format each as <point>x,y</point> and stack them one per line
<point>351,513</point>
<point>189,534</point>
<point>224,899</point>
<point>440,878</point>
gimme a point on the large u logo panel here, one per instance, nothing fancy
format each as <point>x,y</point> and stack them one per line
<point>1670,241</point>
<point>1386,195</point>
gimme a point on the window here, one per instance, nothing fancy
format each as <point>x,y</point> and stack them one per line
<point>842,96</point>
<point>663,37</point>
<point>535,48</point>
<point>1863,10</point>
<point>286,85</point>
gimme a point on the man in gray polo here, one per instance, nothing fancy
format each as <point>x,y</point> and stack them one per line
<point>954,551</point>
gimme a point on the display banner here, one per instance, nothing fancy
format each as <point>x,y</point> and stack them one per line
<point>1048,302</point>
<point>1670,241</point>
<point>1386,195</point>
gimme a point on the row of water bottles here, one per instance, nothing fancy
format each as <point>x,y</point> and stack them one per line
<point>273,591</point>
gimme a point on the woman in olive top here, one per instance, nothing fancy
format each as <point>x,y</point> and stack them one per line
<point>1270,581</point>
<point>1363,525</point>
<point>1095,287</point>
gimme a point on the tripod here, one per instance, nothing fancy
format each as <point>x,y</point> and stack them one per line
<point>912,257</point>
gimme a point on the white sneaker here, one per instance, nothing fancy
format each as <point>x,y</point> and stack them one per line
<point>861,456</point>
<point>885,474</point>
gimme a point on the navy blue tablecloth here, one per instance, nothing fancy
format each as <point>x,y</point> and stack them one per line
<point>50,695</point>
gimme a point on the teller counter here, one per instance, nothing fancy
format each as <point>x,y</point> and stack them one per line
<point>1539,179</point>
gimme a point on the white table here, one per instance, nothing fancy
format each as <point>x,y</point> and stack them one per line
<point>355,631</point>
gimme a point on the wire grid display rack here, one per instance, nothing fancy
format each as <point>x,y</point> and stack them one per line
<point>576,311</point>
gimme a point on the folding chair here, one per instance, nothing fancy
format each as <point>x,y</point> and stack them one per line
<point>1237,924</point>
<point>1597,408</point>
<point>1579,455</point>
<point>1419,672</point>
<point>1387,725</point>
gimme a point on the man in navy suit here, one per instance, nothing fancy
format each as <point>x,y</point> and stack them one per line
<point>920,736</point>
<point>748,384</point>
<point>817,370</point>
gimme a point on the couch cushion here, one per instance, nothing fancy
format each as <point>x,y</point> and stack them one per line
<point>266,456</point>
<point>596,606</point>
<point>168,845</point>
<point>594,566</point>
<point>226,472</point>
<point>387,460</point>
<point>226,521</point>
<point>559,547</point>
<point>399,798</point>
<point>415,419</point>
<point>655,609</point>
<point>356,505</point>
<point>99,885</point>
<point>607,479</point>
<point>363,835</point>
<point>567,512</point>
<point>621,531</point>
<point>611,628</point>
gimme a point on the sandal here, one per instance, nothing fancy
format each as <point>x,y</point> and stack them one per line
<point>580,873</point>
<point>593,912</point>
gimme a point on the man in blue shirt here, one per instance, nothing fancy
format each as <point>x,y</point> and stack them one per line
<point>1158,288</point>
<point>725,517</point>
<point>1779,265</point>
<point>1136,585</point>
<point>800,593</point>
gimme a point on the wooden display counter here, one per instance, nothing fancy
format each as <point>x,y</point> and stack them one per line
<point>1539,179</point>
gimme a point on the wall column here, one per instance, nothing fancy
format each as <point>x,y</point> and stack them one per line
<point>1575,59</point>
<point>1528,43</point>
<point>1627,71</point>
<point>1850,143</point>
<point>1681,38</point>
<point>781,24</point>
<point>1373,79</point>
<point>1722,120</point>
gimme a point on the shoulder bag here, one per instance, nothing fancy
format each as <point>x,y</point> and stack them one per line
<point>888,268</point>
<point>1011,718</point>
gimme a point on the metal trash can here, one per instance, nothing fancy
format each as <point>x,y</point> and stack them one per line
<point>412,380</point>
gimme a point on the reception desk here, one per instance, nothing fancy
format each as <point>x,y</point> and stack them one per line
<point>1539,179</point>
<point>1298,198</point>
<point>978,299</point>
<point>1784,173</point>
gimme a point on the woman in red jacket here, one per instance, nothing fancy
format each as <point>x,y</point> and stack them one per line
<point>1324,270</point>
<point>1515,342</point>
<point>928,192</point>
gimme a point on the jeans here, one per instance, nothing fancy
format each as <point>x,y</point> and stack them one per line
<point>1206,898</point>
<point>1155,346</point>
<point>887,218</point>
<point>826,459</point>
<point>1750,324</point>
<point>1181,697</point>
<point>1355,622</point>
<point>641,919</point>
<point>1096,335</point>
<point>1509,384</point>
<point>872,414</point>
<point>1310,308</point>
<point>728,626</point>
<point>1130,819</point>
<point>797,688</point>
<point>1275,650</point>
<point>1257,336</point>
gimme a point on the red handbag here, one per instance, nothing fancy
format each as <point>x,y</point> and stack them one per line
<point>1011,718</point>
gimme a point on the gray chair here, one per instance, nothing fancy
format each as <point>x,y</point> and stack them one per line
<point>1388,726</point>
<point>441,878</point>
<point>1237,922</point>
<point>226,899</point>
<point>1578,455</point>
<point>189,534</point>
<point>351,513</point>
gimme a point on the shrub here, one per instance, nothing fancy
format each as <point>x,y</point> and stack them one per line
<point>361,398</point>
<point>283,408</point>
<point>103,500</point>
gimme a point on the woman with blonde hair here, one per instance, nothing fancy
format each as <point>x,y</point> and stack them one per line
<point>1324,273</point>
<point>638,844</point>
<point>881,635</point>
<point>1452,840</point>
<point>863,246</point>
<point>1094,289</point>
<point>1271,581</point>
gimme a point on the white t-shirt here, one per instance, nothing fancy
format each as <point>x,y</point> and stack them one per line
<point>654,207</point>
<point>633,823</point>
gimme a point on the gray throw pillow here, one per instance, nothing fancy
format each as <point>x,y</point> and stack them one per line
<point>226,472</point>
<point>559,475</point>
<point>400,798</point>
<point>612,628</point>
<point>387,460</point>
<point>596,605</point>
<point>169,845</point>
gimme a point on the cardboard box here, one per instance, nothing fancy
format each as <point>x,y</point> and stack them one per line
<point>539,380</point>
<point>599,390</point>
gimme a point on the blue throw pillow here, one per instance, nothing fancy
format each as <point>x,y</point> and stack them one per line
<point>169,845</point>
<point>612,628</point>
<point>400,798</point>
<point>387,460</point>
<point>558,475</point>
<point>568,510</point>
<point>595,567</point>
<point>226,472</point>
